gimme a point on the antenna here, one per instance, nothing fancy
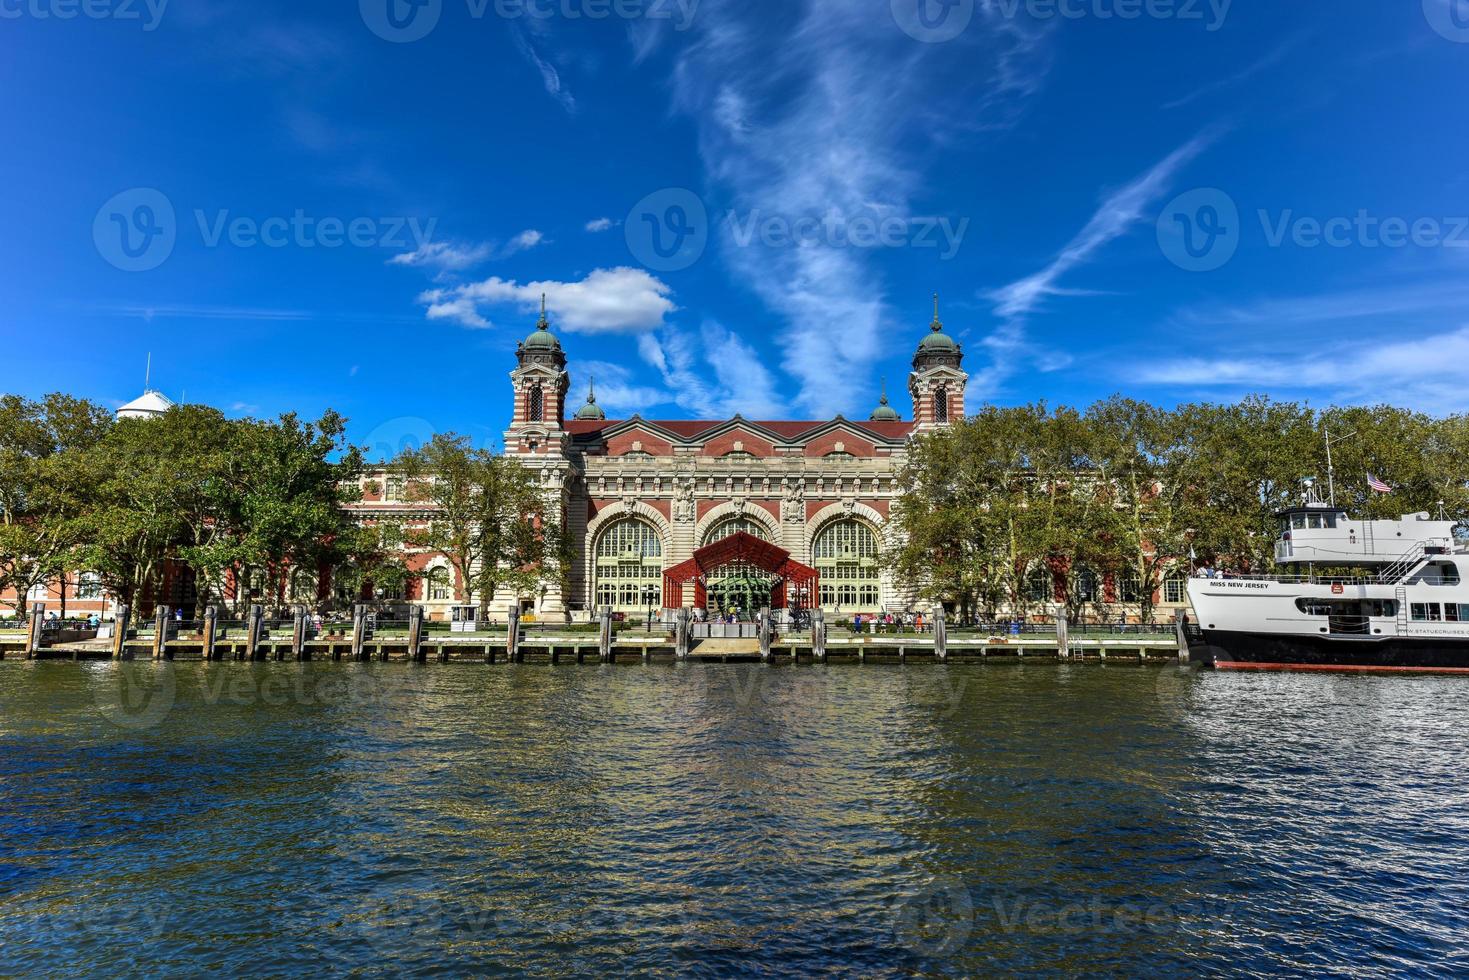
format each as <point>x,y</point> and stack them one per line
<point>1330,468</point>
<point>148,373</point>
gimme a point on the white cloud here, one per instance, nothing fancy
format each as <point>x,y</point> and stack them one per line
<point>444,255</point>
<point>524,241</point>
<point>715,375</point>
<point>1406,372</point>
<point>618,392</point>
<point>599,225</point>
<point>550,77</point>
<point>834,115</point>
<point>618,300</point>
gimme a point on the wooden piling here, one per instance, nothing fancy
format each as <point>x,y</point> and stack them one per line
<point>681,630</point>
<point>298,633</point>
<point>818,635</point>
<point>1063,634</point>
<point>604,636</point>
<point>211,631</point>
<point>160,630</point>
<point>512,637</point>
<point>1180,621</point>
<point>940,634</point>
<point>254,628</point>
<point>120,635</point>
<point>34,635</point>
<point>415,635</point>
<point>765,635</point>
<point>359,631</point>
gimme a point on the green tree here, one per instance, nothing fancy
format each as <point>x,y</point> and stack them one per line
<point>489,517</point>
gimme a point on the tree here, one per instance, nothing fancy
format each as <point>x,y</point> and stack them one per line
<point>38,532</point>
<point>489,517</point>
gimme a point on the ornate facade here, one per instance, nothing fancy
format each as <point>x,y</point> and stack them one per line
<point>640,496</point>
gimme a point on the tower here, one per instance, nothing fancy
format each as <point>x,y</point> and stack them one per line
<point>540,383</point>
<point>938,379</point>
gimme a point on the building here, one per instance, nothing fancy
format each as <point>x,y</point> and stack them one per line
<point>642,498</point>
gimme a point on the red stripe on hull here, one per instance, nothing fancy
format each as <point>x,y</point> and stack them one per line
<point>1339,668</point>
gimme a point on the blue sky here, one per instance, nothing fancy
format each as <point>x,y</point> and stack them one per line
<point>301,206</point>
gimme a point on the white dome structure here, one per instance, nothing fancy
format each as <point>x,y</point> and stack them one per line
<point>151,405</point>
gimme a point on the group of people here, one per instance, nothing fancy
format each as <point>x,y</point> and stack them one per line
<point>872,621</point>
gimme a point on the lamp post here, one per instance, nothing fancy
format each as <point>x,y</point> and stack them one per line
<point>648,596</point>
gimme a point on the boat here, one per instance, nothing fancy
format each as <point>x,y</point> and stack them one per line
<point>1402,607</point>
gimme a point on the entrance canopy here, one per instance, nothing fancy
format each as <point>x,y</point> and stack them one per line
<point>746,549</point>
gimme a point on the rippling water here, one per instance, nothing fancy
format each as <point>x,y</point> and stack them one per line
<point>671,820</point>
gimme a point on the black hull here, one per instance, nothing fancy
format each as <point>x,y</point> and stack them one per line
<point>1255,651</point>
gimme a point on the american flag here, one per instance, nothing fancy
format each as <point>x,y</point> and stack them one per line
<point>1377,484</point>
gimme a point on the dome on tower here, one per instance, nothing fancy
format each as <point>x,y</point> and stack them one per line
<point>937,342</point>
<point>151,405</point>
<point>591,411</point>
<point>885,412</point>
<point>543,338</point>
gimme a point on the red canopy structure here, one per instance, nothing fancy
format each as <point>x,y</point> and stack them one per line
<point>739,548</point>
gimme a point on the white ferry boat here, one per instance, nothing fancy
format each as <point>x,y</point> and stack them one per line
<point>1405,608</point>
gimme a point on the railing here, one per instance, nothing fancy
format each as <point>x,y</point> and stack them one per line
<point>1398,570</point>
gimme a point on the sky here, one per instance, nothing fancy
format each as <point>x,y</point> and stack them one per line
<point>732,205</point>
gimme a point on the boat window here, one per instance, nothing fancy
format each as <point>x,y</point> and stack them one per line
<point>1454,613</point>
<point>1298,521</point>
<point>1380,608</point>
<point>1316,522</point>
<point>1377,608</point>
<point>1427,612</point>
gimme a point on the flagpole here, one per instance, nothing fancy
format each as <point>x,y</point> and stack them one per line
<point>1330,467</point>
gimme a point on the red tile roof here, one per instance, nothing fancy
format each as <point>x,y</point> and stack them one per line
<point>791,430</point>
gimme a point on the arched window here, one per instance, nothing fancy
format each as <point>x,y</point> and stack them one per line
<point>1129,588</point>
<point>1085,585</point>
<point>734,525</point>
<point>629,565</point>
<point>302,587</point>
<point>941,404</point>
<point>845,553</point>
<point>440,585</point>
<point>1175,588</point>
<point>1040,584</point>
<point>537,411</point>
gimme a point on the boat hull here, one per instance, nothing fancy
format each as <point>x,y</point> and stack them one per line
<point>1224,650</point>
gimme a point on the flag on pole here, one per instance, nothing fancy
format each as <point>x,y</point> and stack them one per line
<point>1377,484</point>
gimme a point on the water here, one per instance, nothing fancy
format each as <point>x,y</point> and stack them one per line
<point>687,820</point>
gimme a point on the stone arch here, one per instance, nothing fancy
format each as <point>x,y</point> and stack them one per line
<point>606,517</point>
<point>755,513</point>
<point>834,512</point>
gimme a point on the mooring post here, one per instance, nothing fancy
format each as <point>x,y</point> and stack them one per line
<point>512,636</point>
<point>254,627</point>
<point>604,636</point>
<point>681,635</point>
<point>415,634</point>
<point>359,631</point>
<point>1063,634</point>
<point>120,635</point>
<point>940,633</point>
<point>37,624</point>
<point>211,631</point>
<point>298,632</point>
<point>818,635</point>
<point>765,636</point>
<point>160,630</point>
<point>1180,622</point>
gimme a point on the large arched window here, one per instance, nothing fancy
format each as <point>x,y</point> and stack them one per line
<point>629,565</point>
<point>941,404</point>
<point>734,525</point>
<point>1086,585</point>
<point>440,585</point>
<point>303,586</point>
<point>1040,584</point>
<point>845,552</point>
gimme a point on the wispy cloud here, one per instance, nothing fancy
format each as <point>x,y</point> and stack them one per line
<point>713,374</point>
<point>833,117</point>
<point>171,311</point>
<point>619,300</point>
<point>598,225</point>
<point>550,77</point>
<point>1272,58</point>
<point>456,256</point>
<point>618,391</point>
<point>1448,296</point>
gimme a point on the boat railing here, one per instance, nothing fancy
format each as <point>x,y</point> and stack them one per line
<point>1296,579</point>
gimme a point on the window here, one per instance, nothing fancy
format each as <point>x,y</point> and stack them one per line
<point>537,412</point>
<point>1040,584</point>
<point>394,488</point>
<point>941,404</point>
<point>1454,613</point>
<point>735,525</point>
<point>738,455</point>
<point>1427,612</point>
<point>303,586</point>
<point>1315,522</point>
<point>1175,589</point>
<point>89,586</point>
<point>1085,585</point>
<point>629,561</point>
<point>1129,588</point>
<point>440,585</point>
<point>845,553</point>
<point>1298,521</point>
